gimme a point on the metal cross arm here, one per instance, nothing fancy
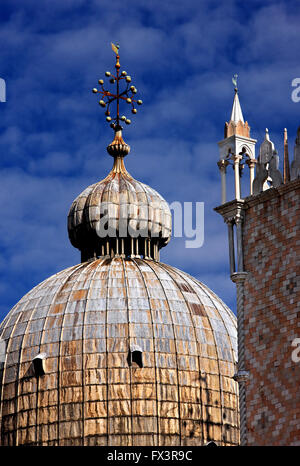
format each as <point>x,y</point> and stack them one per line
<point>109,97</point>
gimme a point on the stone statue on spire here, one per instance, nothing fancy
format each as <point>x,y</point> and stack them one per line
<point>295,166</point>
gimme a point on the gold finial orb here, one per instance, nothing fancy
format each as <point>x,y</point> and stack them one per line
<point>101,81</point>
<point>94,90</point>
<point>139,102</point>
<point>127,121</point>
<point>107,73</point>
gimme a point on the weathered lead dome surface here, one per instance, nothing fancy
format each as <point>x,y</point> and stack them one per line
<point>119,198</point>
<point>130,352</point>
<point>120,349</point>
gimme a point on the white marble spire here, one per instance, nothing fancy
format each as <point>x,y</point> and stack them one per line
<point>237,147</point>
<point>236,114</point>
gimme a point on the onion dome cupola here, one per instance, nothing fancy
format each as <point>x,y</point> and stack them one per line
<point>119,216</point>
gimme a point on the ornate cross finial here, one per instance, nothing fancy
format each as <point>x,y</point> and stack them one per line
<point>118,96</point>
<point>234,82</point>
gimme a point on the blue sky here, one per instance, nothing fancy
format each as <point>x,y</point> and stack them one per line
<point>182,56</point>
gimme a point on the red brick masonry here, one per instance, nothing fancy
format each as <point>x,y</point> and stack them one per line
<point>272,315</point>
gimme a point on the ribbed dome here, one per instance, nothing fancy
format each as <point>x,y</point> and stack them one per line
<point>135,352</point>
<point>123,199</point>
<point>119,350</point>
<point>119,215</point>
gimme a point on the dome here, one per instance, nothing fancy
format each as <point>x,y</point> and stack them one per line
<point>119,214</point>
<point>120,349</point>
<point>119,352</point>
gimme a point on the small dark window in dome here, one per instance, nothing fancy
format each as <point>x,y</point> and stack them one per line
<point>135,356</point>
<point>39,364</point>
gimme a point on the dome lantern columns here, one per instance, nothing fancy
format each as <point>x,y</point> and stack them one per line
<point>132,248</point>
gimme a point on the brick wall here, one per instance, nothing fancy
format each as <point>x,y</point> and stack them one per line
<point>272,315</point>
